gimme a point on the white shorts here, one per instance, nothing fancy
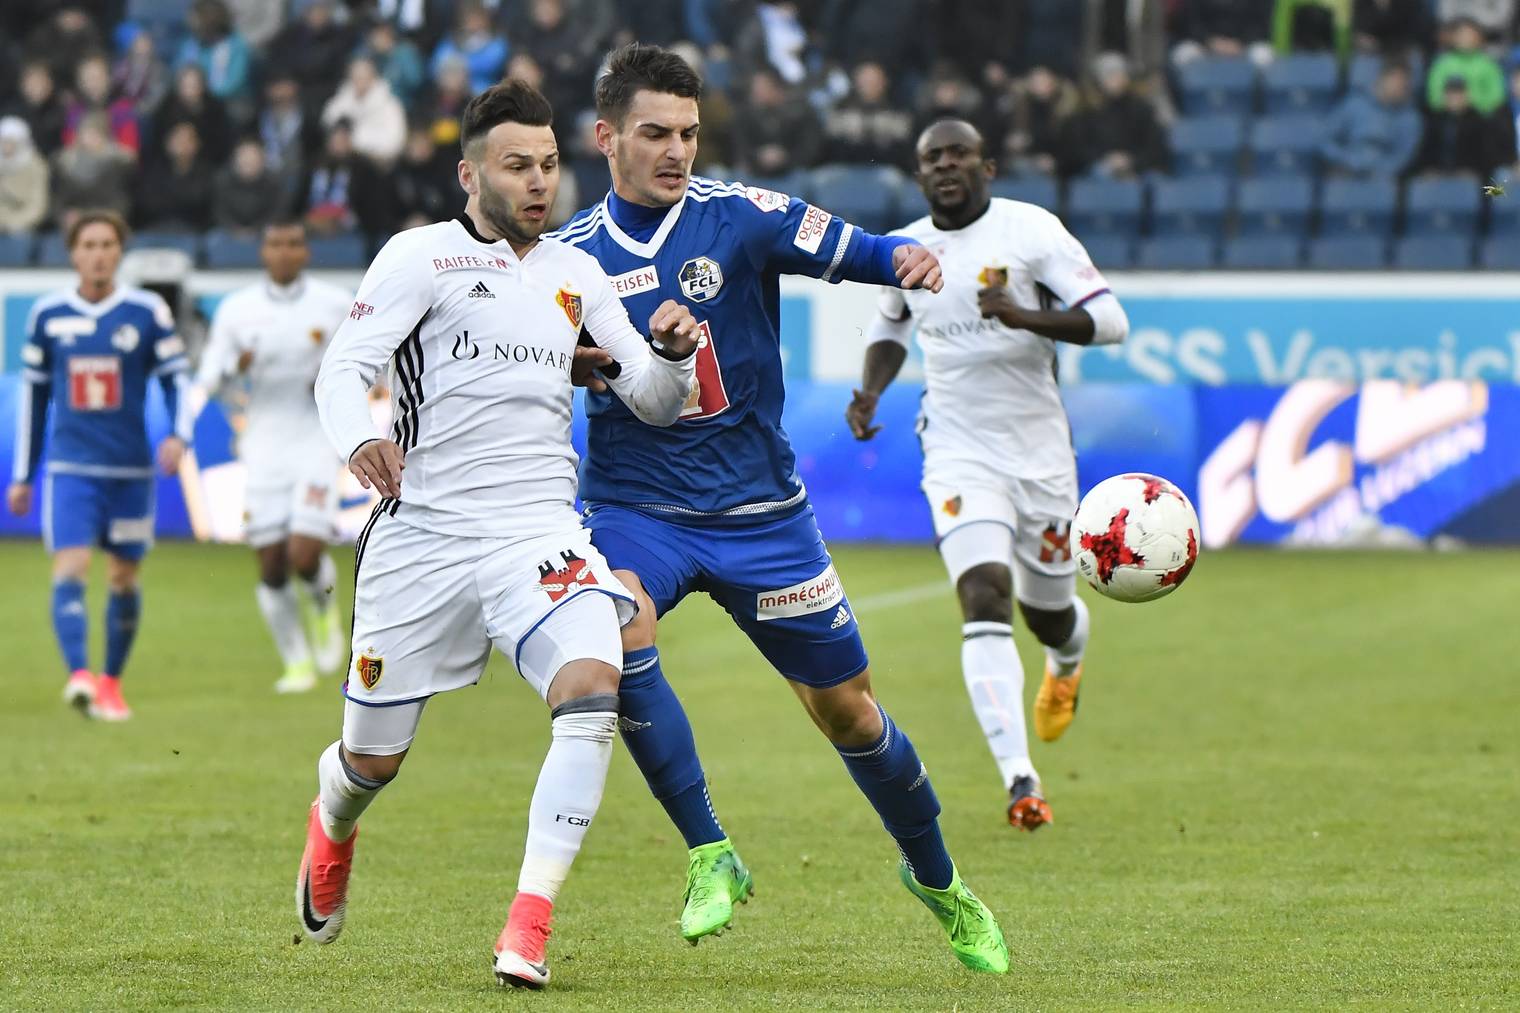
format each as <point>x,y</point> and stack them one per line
<point>428,608</point>
<point>300,499</point>
<point>981,516</point>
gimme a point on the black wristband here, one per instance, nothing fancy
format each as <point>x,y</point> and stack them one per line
<point>669,356</point>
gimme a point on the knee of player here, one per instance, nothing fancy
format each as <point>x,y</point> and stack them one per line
<point>1051,627</point>
<point>306,562</point>
<point>850,720</point>
<point>582,679</point>
<point>591,716</point>
<point>986,595</point>
<point>274,577</point>
<point>373,766</point>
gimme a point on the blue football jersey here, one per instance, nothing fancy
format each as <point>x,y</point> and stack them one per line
<point>721,251</point>
<point>92,362</point>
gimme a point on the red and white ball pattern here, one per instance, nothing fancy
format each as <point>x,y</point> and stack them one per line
<point>1135,537</point>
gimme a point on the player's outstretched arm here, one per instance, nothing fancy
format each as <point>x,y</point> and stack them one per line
<point>654,377</point>
<point>888,338</point>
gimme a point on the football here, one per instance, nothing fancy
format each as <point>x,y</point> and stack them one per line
<point>1136,537</point>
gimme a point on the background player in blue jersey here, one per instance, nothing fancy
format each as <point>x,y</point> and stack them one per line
<point>89,353</point>
<point>714,503</point>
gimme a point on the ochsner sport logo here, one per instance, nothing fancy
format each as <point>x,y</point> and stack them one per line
<point>822,592</point>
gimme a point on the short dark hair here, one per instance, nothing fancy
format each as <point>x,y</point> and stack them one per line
<point>283,221</point>
<point>512,101</point>
<point>98,216</point>
<point>637,67</point>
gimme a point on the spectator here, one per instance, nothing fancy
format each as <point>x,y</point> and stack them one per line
<point>1493,17</point>
<point>191,102</point>
<point>23,178</point>
<point>1482,78</point>
<point>1390,26</point>
<point>442,103</point>
<point>1040,110</point>
<point>1377,134</point>
<point>1119,137</point>
<point>396,59</point>
<point>246,194</point>
<point>1221,28</point>
<point>776,133</point>
<point>867,126</point>
<point>64,41</point>
<point>140,76</point>
<point>220,52</point>
<point>427,182</point>
<point>365,100</point>
<point>92,172</point>
<point>345,192</point>
<point>314,50</point>
<point>484,52</point>
<point>41,107</point>
<point>257,21</point>
<point>283,129</point>
<point>1458,138</point>
<point>565,52</point>
<point>174,191</point>
<point>775,37</point>
<point>92,94</point>
<point>948,95</point>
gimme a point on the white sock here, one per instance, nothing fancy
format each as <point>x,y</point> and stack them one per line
<point>995,680</point>
<point>282,613</point>
<point>322,586</point>
<point>343,794</point>
<point>1065,658</point>
<point>569,791</point>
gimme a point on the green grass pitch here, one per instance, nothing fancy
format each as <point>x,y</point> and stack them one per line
<point>1295,783</point>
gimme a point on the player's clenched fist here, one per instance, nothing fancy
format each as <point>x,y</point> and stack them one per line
<point>377,465</point>
<point>18,498</point>
<point>917,268</point>
<point>861,412</point>
<point>674,330</point>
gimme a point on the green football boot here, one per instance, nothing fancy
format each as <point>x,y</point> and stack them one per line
<point>715,878</point>
<point>974,933</point>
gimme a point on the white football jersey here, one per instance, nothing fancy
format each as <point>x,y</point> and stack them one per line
<point>478,346</point>
<point>287,328</point>
<point>990,392</point>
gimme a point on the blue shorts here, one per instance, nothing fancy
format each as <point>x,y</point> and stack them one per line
<point>115,514</point>
<point>774,577</point>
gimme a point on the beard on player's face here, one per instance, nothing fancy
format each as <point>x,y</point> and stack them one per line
<point>502,215</point>
<point>647,168</point>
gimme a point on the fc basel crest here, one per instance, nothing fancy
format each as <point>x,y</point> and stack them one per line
<point>570,302</point>
<point>701,278</point>
<point>369,668</point>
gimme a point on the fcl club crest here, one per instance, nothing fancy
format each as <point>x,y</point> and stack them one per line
<point>566,577</point>
<point>993,277</point>
<point>369,668</point>
<point>700,278</point>
<point>570,302</point>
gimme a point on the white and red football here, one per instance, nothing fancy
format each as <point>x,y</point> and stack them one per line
<point>1135,537</point>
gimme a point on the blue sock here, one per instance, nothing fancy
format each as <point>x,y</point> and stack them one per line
<point>70,624</point>
<point>122,610</point>
<point>891,776</point>
<point>658,737</point>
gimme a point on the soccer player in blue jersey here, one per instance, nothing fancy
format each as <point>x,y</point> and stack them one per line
<point>714,502</point>
<point>90,352</point>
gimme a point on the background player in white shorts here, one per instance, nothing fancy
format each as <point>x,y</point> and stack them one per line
<point>270,336</point>
<point>478,322</point>
<point>999,470</point>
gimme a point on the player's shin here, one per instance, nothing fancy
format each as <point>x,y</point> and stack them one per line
<point>1066,656</point>
<point>343,794</point>
<point>995,681</point>
<point>282,614</point>
<point>894,780</point>
<point>70,623</point>
<point>123,610</point>
<point>320,585</point>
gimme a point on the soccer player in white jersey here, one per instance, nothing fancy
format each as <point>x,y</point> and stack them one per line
<point>270,337</point>
<point>999,470</point>
<point>477,322</point>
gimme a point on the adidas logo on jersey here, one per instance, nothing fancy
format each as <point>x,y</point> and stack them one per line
<point>840,618</point>
<point>481,292</point>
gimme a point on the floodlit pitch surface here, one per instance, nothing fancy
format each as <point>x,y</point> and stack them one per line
<point>1293,784</point>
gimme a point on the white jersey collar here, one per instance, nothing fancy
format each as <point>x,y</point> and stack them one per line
<point>649,249</point>
<point>97,309</point>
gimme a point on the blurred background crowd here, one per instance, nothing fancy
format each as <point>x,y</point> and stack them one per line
<point>1161,120</point>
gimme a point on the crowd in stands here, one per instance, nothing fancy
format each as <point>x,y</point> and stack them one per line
<point>219,115</point>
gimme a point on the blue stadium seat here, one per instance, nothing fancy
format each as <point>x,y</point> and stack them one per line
<point>1275,206</point>
<point>16,250</point>
<point>1285,144</point>
<point>1442,205</point>
<point>347,249</point>
<point>1433,253</point>
<point>864,194</point>
<point>1110,252</point>
<point>1501,253</point>
<point>1300,83</point>
<point>52,251</point>
<point>1348,253</point>
<point>1358,207</point>
<point>1207,145</point>
<point>1104,206</point>
<point>188,243</point>
<point>1217,85</point>
<point>1193,206</point>
<point>1041,190</point>
<point>229,250</point>
<point>1274,253</point>
<point>1177,253</point>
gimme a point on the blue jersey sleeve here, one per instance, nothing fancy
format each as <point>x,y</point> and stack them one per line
<point>790,236</point>
<point>32,407</point>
